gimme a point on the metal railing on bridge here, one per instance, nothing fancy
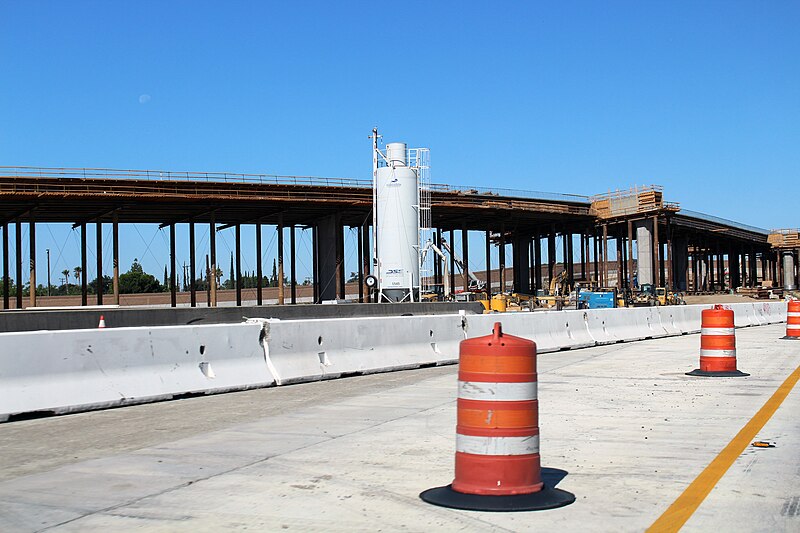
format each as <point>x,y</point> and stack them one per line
<point>723,221</point>
<point>266,179</point>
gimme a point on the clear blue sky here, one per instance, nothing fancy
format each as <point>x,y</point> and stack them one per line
<point>579,97</point>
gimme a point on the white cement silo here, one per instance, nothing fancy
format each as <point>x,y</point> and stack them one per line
<point>397,226</point>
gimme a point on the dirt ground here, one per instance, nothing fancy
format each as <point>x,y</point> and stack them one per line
<point>719,299</point>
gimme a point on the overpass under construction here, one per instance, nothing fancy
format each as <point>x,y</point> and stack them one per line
<point>674,248</point>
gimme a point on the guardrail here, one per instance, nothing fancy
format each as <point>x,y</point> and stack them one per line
<point>723,221</point>
<point>266,179</point>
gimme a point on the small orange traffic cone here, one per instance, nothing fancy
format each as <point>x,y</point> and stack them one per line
<point>102,323</point>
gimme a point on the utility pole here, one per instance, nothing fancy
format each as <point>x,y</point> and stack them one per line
<point>48,271</point>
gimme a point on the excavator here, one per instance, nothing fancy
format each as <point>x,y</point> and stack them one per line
<point>559,291</point>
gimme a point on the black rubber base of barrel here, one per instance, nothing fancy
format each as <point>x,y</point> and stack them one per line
<point>706,374</point>
<point>788,338</point>
<point>546,498</point>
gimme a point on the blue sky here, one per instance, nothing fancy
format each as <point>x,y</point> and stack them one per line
<point>578,97</point>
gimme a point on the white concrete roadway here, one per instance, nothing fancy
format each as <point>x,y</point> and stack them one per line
<point>628,426</point>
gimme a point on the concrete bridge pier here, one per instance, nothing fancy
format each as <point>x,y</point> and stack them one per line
<point>789,281</point>
<point>644,247</point>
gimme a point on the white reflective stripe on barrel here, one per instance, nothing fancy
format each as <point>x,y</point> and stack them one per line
<point>717,353</point>
<point>502,392</point>
<point>717,331</point>
<point>792,326</point>
<point>497,445</point>
<point>793,314</point>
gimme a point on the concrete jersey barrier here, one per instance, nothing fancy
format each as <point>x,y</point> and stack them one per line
<point>308,350</point>
<point>75,370</point>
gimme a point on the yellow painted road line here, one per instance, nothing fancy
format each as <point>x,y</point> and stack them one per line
<point>687,503</point>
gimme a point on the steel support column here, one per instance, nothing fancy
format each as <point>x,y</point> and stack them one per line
<point>259,268</point>
<point>212,244</point>
<point>620,260</point>
<point>18,262</point>
<point>238,252</point>
<point>315,263</point>
<point>6,281</point>
<point>488,263</point>
<point>115,256</point>
<point>502,256</point>
<point>569,260</point>
<point>360,246</point>
<point>281,288</point>
<point>192,267</point>
<point>98,238</point>
<point>629,259</point>
<point>452,254</point>
<point>32,256</point>
<point>293,270</point>
<point>84,294</point>
<point>656,254</point>
<point>537,261</point>
<point>465,255</point>
<point>173,286</point>
<point>605,255</point>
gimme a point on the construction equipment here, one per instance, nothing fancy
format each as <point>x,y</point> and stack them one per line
<point>661,296</point>
<point>474,285</point>
<point>597,299</point>
<point>646,296</point>
<point>664,297</point>
<point>558,293</point>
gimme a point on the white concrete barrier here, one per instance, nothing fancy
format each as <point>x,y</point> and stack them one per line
<point>667,317</point>
<point>772,312</point>
<point>550,330</point>
<point>75,370</point>
<point>687,318</point>
<point>308,350</point>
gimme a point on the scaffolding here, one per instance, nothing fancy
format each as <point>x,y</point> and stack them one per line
<point>644,199</point>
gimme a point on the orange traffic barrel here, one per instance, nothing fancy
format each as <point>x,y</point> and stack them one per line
<point>717,344</point>
<point>793,320</point>
<point>497,462</point>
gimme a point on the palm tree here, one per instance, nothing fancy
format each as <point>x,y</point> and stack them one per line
<point>66,277</point>
<point>78,271</point>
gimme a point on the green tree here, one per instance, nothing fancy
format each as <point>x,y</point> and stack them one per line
<point>136,280</point>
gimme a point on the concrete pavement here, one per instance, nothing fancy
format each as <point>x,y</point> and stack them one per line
<point>624,422</point>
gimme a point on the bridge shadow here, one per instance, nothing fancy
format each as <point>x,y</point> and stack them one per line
<point>553,476</point>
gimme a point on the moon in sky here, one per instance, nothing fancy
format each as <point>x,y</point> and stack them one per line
<point>144,98</point>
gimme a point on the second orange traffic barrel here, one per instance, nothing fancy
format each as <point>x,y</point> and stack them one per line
<point>793,320</point>
<point>717,344</point>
